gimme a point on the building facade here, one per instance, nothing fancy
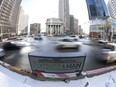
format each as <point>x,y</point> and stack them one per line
<point>112,8</point>
<point>100,26</point>
<point>96,9</point>
<point>64,14</point>
<point>76,26</point>
<point>23,23</point>
<point>35,28</point>
<point>80,30</point>
<point>54,26</point>
<point>72,24</point>
<point>103,28</point>
<point>9,16</point>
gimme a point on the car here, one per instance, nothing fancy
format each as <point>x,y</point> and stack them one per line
<point>68,43</point>
<point>2,52</point>
<point>10,46</point>
<point>102,42</point>
<point>111,46</point>
<point>108,53</point>
<point>81,36</point>
<point>108,56</point>
<point>19,38</point>
<point>72,35</point>
<point>38,38</point>
<point>75,36</point>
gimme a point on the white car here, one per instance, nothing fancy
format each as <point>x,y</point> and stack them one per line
<point>68,43</point>
<point>108,53</point>
<point>112,46</point>
<point>108,56</point>
<point>102,41</point>
<point>2,52</point>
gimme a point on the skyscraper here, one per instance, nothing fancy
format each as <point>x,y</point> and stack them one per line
<point>23,23</point>
<point>112,8</point>
<point>9,14</point>
<point>96,8</point>
<point>64,12</point>
<point>72,24</point>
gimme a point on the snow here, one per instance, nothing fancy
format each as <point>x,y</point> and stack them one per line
<point>11,79</point>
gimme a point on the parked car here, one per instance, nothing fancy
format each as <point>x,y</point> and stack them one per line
<point>2,52</point>
<point>68,43</point>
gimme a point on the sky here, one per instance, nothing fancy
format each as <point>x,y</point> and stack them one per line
<point>40,10</point>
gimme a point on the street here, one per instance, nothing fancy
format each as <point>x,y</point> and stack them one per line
<point>19,58</point>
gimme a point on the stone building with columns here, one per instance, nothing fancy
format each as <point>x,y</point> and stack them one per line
<point>54,26</point>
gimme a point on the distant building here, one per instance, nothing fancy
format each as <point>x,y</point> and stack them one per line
<point>64,14</point>
<point>35,28</point>
<point>112,8</point>
<point>54,26</point>
<point>96,9</point>
<point>103,28</point>
<point>76,29</point>
<point>9,17</point>
<point>23,23</point>
<point>72,24</point>
<point>98,16</point>
<point>80,30</point>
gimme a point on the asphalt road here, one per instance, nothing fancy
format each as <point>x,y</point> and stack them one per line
<point>19,58</point>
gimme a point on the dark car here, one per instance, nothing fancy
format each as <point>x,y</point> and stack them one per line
<point>10,46</point>
<point>38,38</point>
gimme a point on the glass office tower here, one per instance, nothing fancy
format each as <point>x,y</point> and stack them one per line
<point>96,8</point>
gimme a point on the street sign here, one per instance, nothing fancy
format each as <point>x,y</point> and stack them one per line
<point>57,64</point>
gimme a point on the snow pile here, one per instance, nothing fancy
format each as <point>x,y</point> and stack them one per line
<point>12,79</point>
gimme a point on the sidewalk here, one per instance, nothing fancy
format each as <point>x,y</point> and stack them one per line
<point>12,79</point>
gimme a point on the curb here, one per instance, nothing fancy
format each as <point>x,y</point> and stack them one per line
<point>94,44</point>
<point>100,71</point>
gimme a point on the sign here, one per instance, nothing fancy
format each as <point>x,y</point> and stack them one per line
<point>57,65</point>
